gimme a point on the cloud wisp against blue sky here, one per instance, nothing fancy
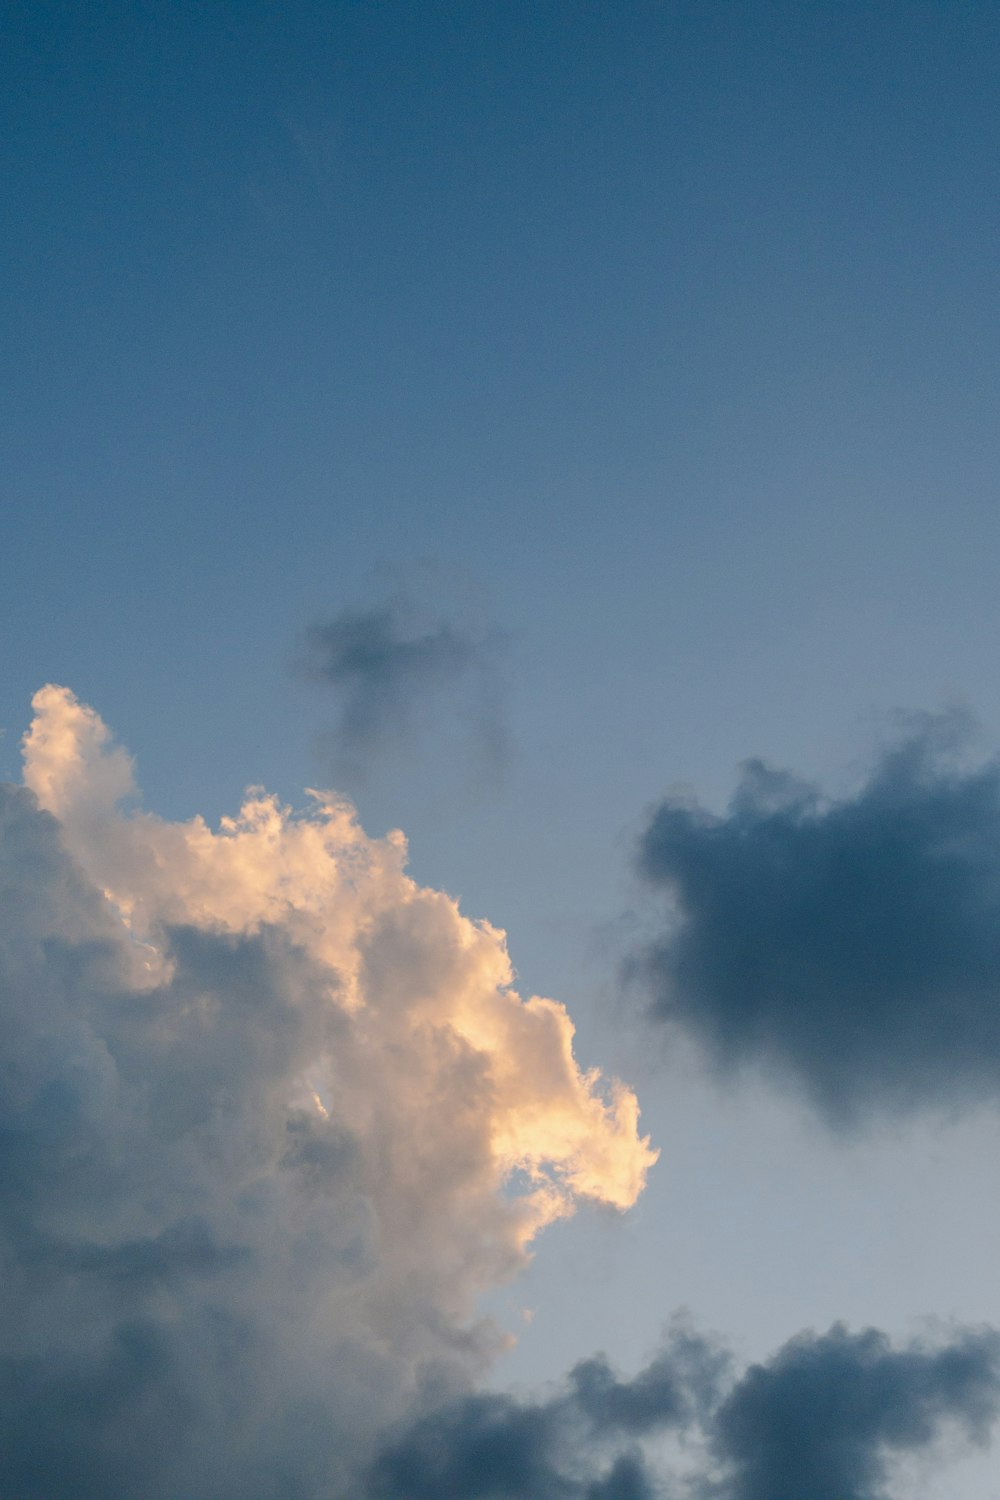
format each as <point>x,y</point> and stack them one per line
<point>391,668</point>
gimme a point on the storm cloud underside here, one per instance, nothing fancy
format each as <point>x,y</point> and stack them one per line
<point>824,1418</point>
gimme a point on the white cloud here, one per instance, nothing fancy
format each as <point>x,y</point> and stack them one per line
<point>275,1118</point>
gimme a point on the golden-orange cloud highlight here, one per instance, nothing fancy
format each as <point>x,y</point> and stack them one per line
<point>423,994</point>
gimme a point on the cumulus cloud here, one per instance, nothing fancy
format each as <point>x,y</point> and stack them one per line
<point>272,1118</point>
<point>390,667</point>
<point>853,945</point>
<point>823,1418</point>
<point>583,1443</point>
<point>826,1415</point>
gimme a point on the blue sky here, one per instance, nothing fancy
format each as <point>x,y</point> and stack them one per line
<point>649,348</point>
<point>667,329</point>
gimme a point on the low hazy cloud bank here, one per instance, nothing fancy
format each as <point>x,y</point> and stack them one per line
<point>272,1118</point>
<point>393,669</point>
<point>852,945</point>
<point>825,1418</point>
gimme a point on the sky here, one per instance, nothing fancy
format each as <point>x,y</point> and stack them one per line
<point>500,823</point>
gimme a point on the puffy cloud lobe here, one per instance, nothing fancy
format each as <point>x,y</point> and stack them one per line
<point>853,945</point>
<point>823,1418</point>
<point>386,664</point>
<point>826,1415</point>
<point>264,1104</point>
<point>492,1447</point>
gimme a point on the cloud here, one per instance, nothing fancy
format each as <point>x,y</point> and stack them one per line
<point>272,1118</point>
<point>823,1418</point>
<point>826,1415</point>
<point>852,945</point>
<point>581,1444</point>
<point>392,668</point>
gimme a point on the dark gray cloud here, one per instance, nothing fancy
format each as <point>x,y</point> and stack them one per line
<point>824,1418</point>
<point>854,945</point>
<point>826,1415</point>
<point>393,669</point>
<point>581,1444</point>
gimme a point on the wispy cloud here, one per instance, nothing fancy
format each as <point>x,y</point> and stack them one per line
<point>394,669</point>
<point>853,945</point>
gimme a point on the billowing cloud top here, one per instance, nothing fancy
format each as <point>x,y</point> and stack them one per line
<point>273,1117</point>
